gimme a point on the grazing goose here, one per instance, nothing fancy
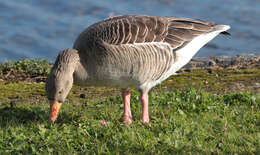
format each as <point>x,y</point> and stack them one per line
<point>128,51</point>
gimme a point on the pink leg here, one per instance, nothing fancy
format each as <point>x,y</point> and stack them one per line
<point>127,111</point>
<point>145,113</point>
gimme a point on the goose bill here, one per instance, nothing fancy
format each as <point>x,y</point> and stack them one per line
<point>54,110</point>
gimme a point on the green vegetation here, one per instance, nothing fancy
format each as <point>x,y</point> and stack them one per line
<point>25,70</point>
<point>33,67</point>
<point>183,120</point>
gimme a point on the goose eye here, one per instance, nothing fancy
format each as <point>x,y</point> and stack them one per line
<point>60,92</point>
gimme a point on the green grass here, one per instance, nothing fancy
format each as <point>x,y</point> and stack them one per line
<point>183,122</point>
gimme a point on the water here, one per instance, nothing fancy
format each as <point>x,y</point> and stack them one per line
<point>41,28</point>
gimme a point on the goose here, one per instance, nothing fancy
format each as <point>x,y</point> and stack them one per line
<point>128,51</point>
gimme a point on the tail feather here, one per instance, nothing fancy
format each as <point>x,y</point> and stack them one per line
<point>222,29</point>
<point>226,33</point>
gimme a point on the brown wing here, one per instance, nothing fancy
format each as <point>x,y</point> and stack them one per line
<point>129,29</point>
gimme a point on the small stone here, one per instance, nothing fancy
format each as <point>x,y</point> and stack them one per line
<point>217,60</point>
<point>187,70</point>
<point>103,122</point>
<point>82,95</point>
<point>12,104</point>
<point>212,63</point>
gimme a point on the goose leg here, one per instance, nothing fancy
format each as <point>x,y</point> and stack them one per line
<point>127,111</point>
<point>145,113</point>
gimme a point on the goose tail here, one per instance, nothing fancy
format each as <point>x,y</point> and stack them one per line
<point>222,29</point>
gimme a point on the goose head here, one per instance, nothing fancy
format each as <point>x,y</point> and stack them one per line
<point>60,80</point>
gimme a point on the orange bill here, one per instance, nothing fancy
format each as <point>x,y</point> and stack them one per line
<point>54,110</point>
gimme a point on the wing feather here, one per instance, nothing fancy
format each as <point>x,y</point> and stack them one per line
<point>131,29</point>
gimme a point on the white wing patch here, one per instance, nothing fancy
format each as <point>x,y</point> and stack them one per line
<point>184,54</point>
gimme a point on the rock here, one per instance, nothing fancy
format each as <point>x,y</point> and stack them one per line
<point>103,122</point>
<point>12,104</point>
<point>82,95</point>
<point>210,71</point>
<point>212,63</point>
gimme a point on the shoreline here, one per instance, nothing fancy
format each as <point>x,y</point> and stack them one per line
<point>244,61</point>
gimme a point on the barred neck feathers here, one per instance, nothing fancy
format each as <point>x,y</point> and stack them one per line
<point>66,61</point>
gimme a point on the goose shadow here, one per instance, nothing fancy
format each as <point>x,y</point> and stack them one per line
<point>13,116</point>
<point>18,115</point>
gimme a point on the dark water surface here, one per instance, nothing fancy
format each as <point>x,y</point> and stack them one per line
<point>41,28</point>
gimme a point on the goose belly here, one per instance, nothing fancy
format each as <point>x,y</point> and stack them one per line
<point>108,78</point>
